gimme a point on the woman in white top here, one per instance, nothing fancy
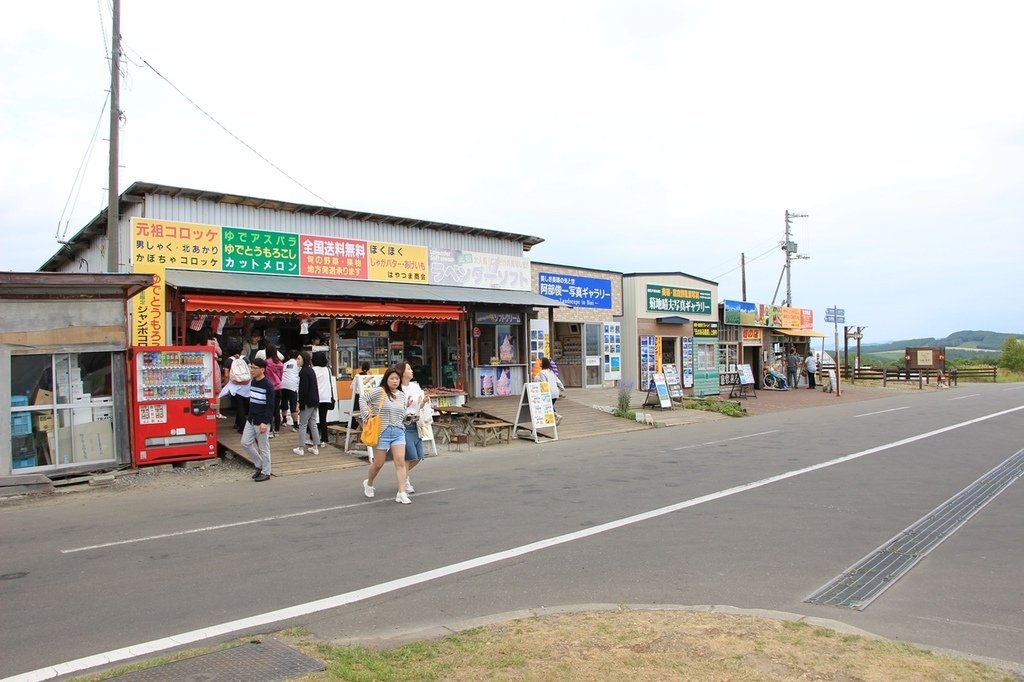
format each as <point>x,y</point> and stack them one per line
<point>388,401</point>
<point>325,384</point>
<point>415,399</point>
<point>290,390</point>
<point>357,391</point>
<point>555,386</point>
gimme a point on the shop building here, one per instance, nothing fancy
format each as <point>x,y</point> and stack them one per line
<point>760,335</point>
<point>584,335</point>
<point>451,300</point>
<point>63,340</point>
<point>670,326</point>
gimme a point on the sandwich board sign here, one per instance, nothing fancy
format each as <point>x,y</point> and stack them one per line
<point>538,418</point>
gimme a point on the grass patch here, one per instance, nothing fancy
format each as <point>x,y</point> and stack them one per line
<point>725,407</point>
<point>649,645</point>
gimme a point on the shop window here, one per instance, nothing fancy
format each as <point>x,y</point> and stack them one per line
<point>61,409</point>
<point>728,357</point>
<point>706,360</point>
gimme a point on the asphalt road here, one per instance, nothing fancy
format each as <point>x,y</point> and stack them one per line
<point>685,515</point>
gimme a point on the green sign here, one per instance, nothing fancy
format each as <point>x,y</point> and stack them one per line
<point>664,299</point>
<point>260,251</point>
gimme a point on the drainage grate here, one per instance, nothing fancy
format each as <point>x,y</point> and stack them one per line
<point>863,582</point>
<point>266,661</point>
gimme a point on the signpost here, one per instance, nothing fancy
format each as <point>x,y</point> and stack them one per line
<point>836,316</point>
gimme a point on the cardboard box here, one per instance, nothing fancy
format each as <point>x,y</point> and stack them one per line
<point>90,442</point>
<point>42,397</point>
<point>42,422</point>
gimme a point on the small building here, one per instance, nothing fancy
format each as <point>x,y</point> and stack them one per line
<point>64,338</point>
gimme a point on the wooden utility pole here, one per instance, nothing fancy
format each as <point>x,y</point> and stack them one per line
<point>113,203</point>
<point>743,276</point>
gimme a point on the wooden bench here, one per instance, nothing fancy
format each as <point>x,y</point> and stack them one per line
<point>337,431</point>
<point>489,430</point>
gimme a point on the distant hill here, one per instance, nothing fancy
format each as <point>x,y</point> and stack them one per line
<point>966,339</point>
<point>970,345</point>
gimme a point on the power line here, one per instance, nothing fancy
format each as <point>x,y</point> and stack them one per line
<point>749,260</point>
<point>224,128</point>
<point>76,185</point>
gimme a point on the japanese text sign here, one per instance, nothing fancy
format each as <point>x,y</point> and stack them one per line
<point>576,291</point>
<point>678,300</point>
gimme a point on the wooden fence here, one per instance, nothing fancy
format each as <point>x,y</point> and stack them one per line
<point>927,376</point>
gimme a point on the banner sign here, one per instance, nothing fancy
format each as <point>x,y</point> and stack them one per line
<point>260,252</point>
<point>705,329</point>
<point>763,315</point>
<point>739,312</point>
<point>678,300</point>
<point>499,318</point>
<point>455,268</point>
<point>576,291</point>
<point>160,244</point>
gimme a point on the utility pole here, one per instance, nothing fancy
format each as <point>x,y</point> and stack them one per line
<point>743,276</point>
<point>113,205</point>
<point>789,246</point>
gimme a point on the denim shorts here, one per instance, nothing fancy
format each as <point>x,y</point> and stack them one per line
<point>391,435</point>
<point>413,444</point>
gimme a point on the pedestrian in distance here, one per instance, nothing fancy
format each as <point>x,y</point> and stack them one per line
<point>415,400</point>
<point>387,401</point>
<point>309,404</point>
<point>555,386</point>
<point>811,365</point>
<point>792,367</point>
<point>260,421</point>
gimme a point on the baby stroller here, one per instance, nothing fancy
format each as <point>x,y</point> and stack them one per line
<point>774,381</point>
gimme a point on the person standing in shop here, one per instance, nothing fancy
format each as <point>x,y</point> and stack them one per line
<point>415,399</point>
<point>792,367</point>
<point>254,345</point>
<point>309,403</point>
<point>811,365</point>
<point>357,392</point>
<point>387,401</point>
<point>208,338</point>
<point>255,437</point>
<point>237,378</point>
<point>290,390</point>
<point>325,387</point>
<point>274,372</point>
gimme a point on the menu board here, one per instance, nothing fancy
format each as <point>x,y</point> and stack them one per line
<point>746,376</point>
<point>675,389</point>
<point>539,413</point>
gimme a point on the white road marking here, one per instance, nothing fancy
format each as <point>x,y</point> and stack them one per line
<point>339,600</point>
<point>868,414</point>
<point>970,395</point>
<point>726,440</point>
<point>989,626</point>
<point>1014,388</point>
<point>206,529</point>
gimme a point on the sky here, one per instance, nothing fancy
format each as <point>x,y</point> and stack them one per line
<point>632,136</point>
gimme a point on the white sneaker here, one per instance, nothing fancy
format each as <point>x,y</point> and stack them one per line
<point>299,451</point>
<point>368,489</point>
<point>408,486</point>
<point>314,451</point>
<point>403,498</point>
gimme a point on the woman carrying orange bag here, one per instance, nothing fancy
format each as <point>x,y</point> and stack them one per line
<point>392,435</point>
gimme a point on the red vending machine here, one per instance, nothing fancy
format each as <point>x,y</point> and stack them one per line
<point>173,416</point>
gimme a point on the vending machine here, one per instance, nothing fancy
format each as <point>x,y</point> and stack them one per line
<point>173,405</point>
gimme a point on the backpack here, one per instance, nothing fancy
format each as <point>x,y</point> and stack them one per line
<point>240,371</point>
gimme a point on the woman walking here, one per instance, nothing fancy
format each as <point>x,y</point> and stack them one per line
<point>290,390</point>
<point>309,402</point>
<point>388,401</point>
<point>555,386</point>
<point>415,399</point>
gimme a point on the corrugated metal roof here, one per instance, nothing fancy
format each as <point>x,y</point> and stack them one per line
<point>229,282</point>
<point>139,190</point>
